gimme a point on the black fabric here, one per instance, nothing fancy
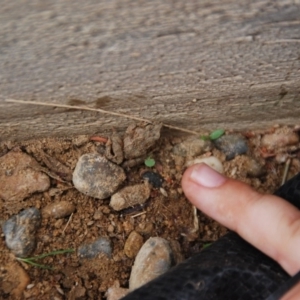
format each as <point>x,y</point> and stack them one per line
<point>229,269</point>
<point>285,287</point>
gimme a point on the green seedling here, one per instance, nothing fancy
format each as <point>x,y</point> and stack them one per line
<point>213,136</point>
<point>149,162</point>
<point>32,260</point>
<point>216,134</point>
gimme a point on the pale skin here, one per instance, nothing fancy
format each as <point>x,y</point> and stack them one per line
<point>268,222</point>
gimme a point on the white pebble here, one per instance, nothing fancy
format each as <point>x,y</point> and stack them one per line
<point>153,259</point>
<point>211,161</point>
<point>163,191</point>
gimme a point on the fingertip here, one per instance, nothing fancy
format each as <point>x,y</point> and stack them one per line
<point>200,184</point>
<point>203,175</point>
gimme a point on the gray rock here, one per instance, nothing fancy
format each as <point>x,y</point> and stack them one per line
<point>153,259</point>
<point>192,147</point>
<point>20,231</point>
<point>102,245</point>
<point>58,210</point>
<point>96,176</point>
<point>130,196</point>
<point>20,176</point>
<point>231,145</point>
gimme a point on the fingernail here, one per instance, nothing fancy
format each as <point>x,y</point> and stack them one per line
<point>204,175</point>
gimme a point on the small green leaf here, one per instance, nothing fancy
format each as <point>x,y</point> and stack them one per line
<point>216,134</point>
<point>149,162</point>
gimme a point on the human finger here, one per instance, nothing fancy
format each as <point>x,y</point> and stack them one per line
<point>269,223</point>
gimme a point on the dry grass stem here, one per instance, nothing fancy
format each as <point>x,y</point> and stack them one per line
<point>98,110</point>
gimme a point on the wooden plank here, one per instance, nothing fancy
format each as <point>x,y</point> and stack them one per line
<point>240,60</point>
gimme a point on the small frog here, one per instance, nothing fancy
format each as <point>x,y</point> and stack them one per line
<point>135,144</point>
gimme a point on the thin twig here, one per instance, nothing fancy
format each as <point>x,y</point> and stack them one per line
<point>195,220</point>
<point>67,223</point>
<point>78,108</point>
<point>139,214</point>
<point>286,170</point>
<point>98,110</point>
<point>180,129</point>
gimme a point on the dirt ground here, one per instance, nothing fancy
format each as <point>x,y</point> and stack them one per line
<point>169,216</point>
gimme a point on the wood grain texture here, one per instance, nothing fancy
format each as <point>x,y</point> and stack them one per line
<point>239,59</point>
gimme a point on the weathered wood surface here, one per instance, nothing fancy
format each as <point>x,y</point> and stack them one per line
<point>239,59</point>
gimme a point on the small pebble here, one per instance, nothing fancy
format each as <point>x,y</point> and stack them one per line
<point>19,176</point>
<point>77,292</point>
<point>115,292</point>
<point>154,178</point>
<point>80,140</point>
<point>102,245</point>
<point>211,161</point>
<point>90,223</point>
<point>232,145</point>
<point>179,161</point>
<point>253,168</point>
<point>59,289</point>
<point>281,158</point>
<point>59,223</point>
<point>153,259</point>
<point>110,228</point>
<point>58,210</point>
<point>30,286</point>
<point>20,231</point>
<point>98,215</point>
<point>130,196</point>
<point>163,192</point>
<point>145,228</point>
<point>96,176</point>
<point>180,191</point>
<point>192,147</point>
<point>14,280</point>
<point>133,244</point>
<point>128,225</point>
